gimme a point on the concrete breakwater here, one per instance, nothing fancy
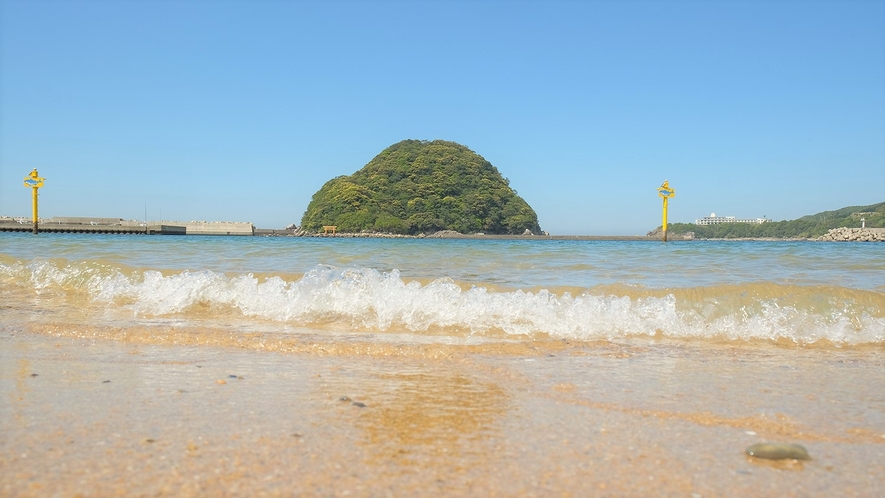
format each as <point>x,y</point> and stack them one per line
<point>845,234</point>
<point>121,226</point>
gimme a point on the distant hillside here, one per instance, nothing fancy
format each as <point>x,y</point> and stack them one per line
<point>809,226</point>
<point>846,213</point>
<point>416,186</point>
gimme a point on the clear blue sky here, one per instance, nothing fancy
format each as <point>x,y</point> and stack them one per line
<point>240,110</point>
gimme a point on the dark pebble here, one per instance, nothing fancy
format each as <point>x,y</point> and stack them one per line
<point>34,375</point>
<point>105,381</point>
<point>357,403</point>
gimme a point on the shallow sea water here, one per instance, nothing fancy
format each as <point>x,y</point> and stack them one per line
<point>223,366</point>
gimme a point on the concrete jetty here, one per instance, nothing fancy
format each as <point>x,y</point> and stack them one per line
<point>124,227</point>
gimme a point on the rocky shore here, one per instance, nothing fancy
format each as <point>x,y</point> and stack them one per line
<point>293,231</point>
<point>835,235</point>
<point>844,234</point>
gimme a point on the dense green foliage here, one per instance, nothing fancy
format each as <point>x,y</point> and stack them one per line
<point>805,227</point>
<point>416,186</point>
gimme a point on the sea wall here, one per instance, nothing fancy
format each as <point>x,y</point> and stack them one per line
<point>219,228</point>
<point>844,234</point>
<point>81,220</point>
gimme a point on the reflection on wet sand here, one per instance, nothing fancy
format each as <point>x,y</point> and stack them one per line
<point>297,415</point>
<point>309,342</point>
<point>776,426</point>
<point>429,419</point>
<point>18,397</point>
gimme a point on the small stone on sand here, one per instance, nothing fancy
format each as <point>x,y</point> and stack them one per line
<point>778,451</point>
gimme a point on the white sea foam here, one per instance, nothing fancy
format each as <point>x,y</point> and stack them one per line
<point>366,299</point>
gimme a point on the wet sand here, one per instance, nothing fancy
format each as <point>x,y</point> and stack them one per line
<point>210,413</point>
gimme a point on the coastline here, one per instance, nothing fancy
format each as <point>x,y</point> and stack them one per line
<point>455,235</point>
<point>239,229</point>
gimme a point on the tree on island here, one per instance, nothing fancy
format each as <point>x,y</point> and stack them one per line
<point>417,186</point>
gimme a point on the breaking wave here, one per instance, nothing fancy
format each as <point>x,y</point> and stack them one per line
<point>364,299</point>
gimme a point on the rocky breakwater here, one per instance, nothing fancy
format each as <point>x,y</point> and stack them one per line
<point>844,234</point>
<point>295,231</point>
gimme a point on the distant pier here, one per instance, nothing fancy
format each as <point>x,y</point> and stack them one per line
<point>126,227</point>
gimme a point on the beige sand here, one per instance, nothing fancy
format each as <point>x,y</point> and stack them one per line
<point>211,413</point>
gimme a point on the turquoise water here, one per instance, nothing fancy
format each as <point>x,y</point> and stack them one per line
<point>513,263</point>
<point>801,292</point>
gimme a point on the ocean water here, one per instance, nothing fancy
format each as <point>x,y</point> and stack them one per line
<point>811,294</point>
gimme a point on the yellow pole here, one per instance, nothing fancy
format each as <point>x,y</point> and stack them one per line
<point>665,219</point>
<point>34,181</point>
<point>35,209</point>
<point>665,192</point>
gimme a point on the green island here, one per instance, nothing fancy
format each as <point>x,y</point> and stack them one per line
<point>810,226</point>
<point>418,187</point>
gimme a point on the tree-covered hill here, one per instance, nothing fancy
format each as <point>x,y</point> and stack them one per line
<point>417,186</point>
<point>809,226</point>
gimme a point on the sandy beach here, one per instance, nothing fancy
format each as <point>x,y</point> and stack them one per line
<point>207,413</point>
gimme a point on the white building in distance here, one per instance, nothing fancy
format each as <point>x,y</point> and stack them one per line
<point>717,220</point>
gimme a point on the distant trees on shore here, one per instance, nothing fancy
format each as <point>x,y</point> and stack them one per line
<point>805,227</point>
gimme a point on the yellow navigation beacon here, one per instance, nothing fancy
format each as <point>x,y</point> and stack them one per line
<point>34,181</point>
<point>666,193</point>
